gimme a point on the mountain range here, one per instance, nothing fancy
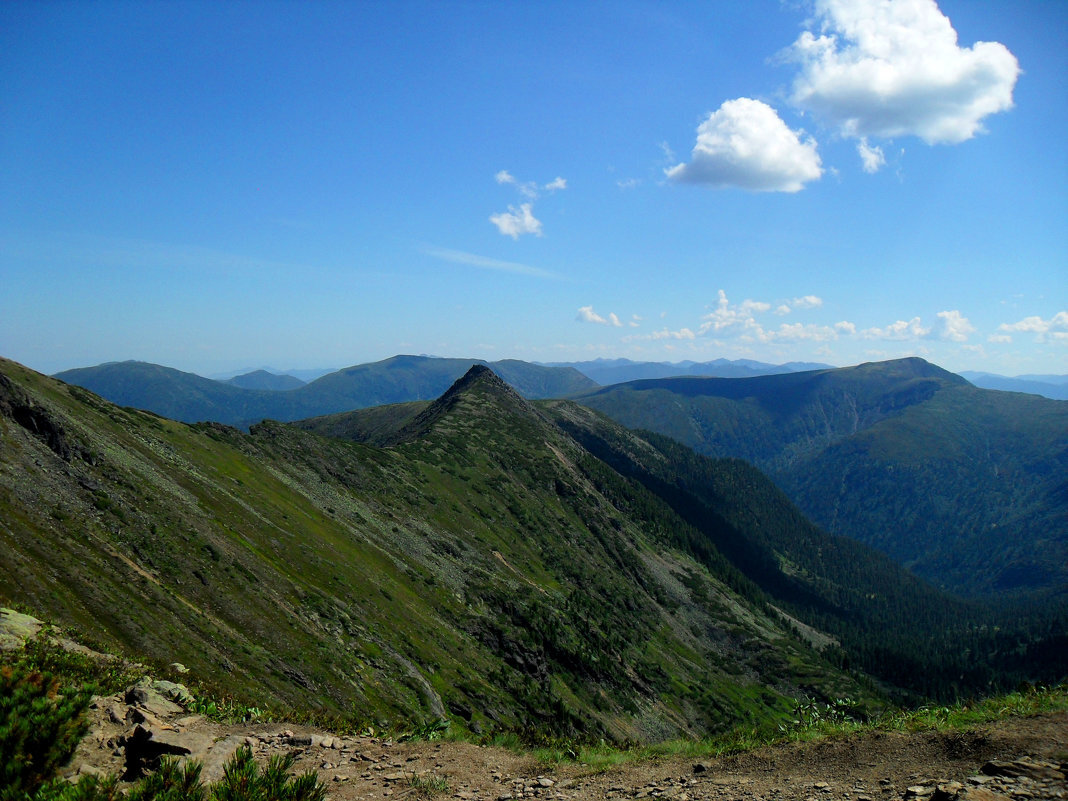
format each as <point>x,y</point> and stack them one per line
<point>959,484</point>
<point>615,371</point>
<point>1049,386</point>
<point>253,397</point>
<point>965,486</point>
<point>511,565</point>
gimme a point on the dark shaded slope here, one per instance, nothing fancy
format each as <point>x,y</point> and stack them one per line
<point>890,624</point>
<point>969,490</point>
<point>900,455</point>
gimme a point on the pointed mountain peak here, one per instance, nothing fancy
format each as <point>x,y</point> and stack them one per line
<point>478,375</point>
<point>475,402</point>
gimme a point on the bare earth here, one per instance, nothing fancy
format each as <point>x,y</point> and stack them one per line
<point>1029,753</point>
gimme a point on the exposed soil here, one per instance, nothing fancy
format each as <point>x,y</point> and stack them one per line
<point>873,766</point>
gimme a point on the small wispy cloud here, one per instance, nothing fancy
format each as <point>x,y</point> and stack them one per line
<point>871,156</point>
<point>898,331</point>
<point>486,263</point>
<point>1055,329</point>
<point>519,220</point>
<point>586,314</point>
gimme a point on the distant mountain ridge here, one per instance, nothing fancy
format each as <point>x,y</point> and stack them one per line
<point>902,455</point>
<point>261,379</point>
<point>1049,386</point>
<point>191,398</point>
<point>615,371</point>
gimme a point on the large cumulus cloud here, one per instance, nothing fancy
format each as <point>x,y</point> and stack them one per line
<point>746,144</point>
<point>887,68</point>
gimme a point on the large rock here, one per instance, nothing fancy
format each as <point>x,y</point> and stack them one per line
<point>145,695</point>
<point>16,628</point>
<point>146,746</point>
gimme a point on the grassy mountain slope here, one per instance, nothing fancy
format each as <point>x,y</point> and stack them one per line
<point>191,398</point>
<point>901,455</point>
<point>732,519</point>
<point>486,567</point>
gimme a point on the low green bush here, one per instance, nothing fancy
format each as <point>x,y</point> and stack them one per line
<point>41,724</point>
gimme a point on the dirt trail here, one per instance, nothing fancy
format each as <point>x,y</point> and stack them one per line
<point>870,767</point>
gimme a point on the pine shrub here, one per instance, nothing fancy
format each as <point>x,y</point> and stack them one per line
<point>39,729</point>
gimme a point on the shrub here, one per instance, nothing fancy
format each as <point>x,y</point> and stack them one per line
<point>39,729</point>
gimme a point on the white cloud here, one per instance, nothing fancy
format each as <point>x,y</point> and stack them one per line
<point>999,338</point>
<point>807,302</point>
<point>882,68</point>
<point>845,327</point>
<point>746,144</point>
<point>664,333</point>
<point>955,328</point>
<point>901,330</point>
<point>871,156</point>
<point>726,316</point>
<point>586,314</point>
<point>517,221</point>
<point>796,332</point>
<point>460,257</point>
<point>1055,329</point>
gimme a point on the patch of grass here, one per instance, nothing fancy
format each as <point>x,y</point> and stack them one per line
<point>428,785</point>
<point>816,722</point>
<point>43,654</point>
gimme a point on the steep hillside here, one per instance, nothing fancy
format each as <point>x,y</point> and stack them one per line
<point>900,455</point>
<point>191,398</point>
<point>486,568</point>
<point>737,523</point>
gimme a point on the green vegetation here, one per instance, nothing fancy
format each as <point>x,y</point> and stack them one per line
<point>961,485</point>
<point>813,721</point>
<point>42,722</point>
<point>39,729</point>
<point>514,568</point>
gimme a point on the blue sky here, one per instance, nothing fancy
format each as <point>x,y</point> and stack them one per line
<point>214,186</point>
